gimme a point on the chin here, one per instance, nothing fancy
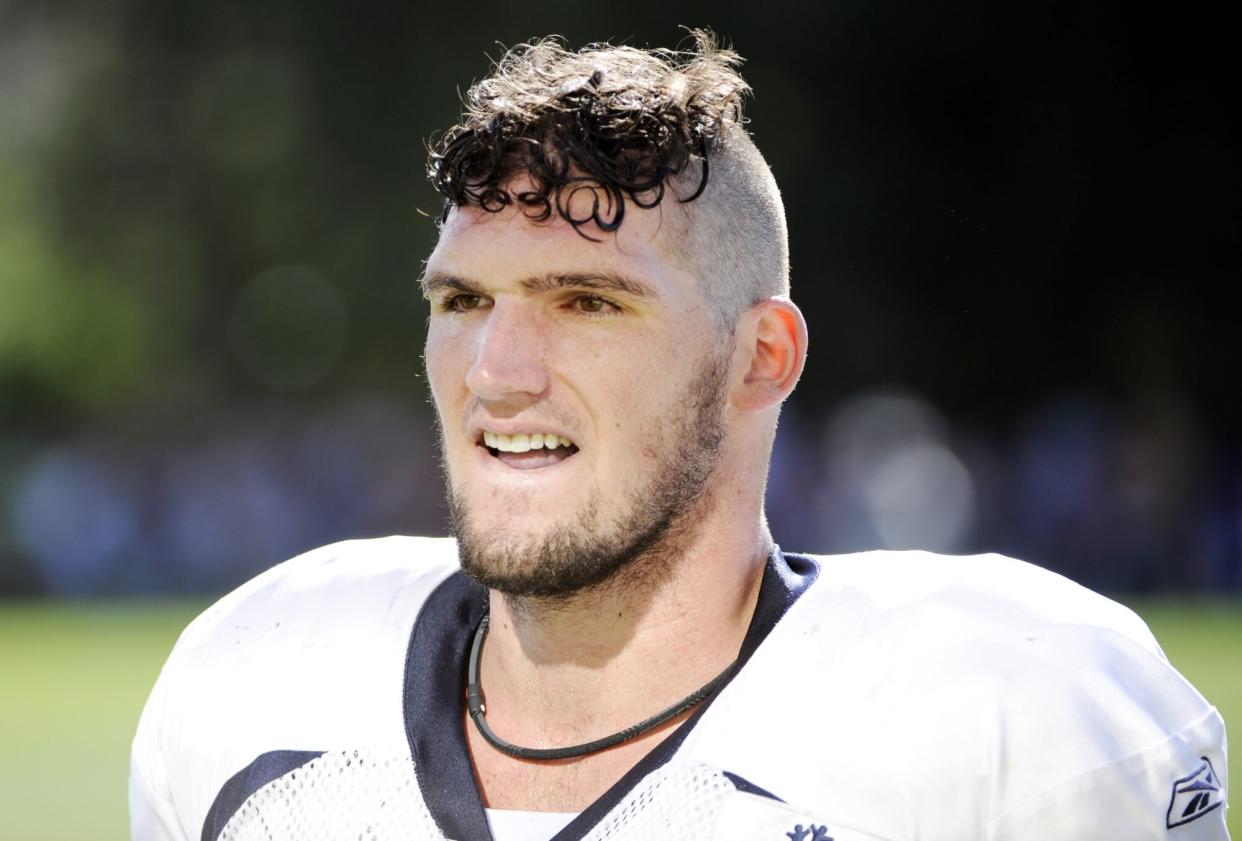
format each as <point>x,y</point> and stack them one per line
<point>555,559</point>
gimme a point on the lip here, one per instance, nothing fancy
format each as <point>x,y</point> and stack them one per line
<point>496,470</point>
<point>490,462</point>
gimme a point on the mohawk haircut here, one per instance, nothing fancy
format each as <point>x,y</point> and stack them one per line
<point>594,130</point>
<point>616,121</point>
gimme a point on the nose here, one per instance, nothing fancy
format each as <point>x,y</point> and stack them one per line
<point>510,357</point>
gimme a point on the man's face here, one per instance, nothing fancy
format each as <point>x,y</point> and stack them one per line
<point>580,388</point>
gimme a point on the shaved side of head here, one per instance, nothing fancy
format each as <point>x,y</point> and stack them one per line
<point>733,236</point>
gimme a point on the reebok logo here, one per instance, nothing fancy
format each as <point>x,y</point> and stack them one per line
<point>1194,795</point>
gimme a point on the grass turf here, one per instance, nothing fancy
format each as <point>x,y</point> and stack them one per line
<point>76,676</point>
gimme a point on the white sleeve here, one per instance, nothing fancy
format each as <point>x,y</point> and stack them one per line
<point>1116,746</point>
<point>1136,798</point>
<point>151,817</point>
<point>152,814</point>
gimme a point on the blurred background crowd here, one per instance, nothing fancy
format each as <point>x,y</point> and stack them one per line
<point>1014,233</point>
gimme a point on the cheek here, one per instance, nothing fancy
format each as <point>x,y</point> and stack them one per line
<point>442,359</point>
<point>617,374</point>
<point>647,389</point>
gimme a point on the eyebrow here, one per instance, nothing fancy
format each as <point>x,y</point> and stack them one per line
<point>599,281</point>
<point>437,282</point>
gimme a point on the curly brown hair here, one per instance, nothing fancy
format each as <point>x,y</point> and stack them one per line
<point>591,129</point>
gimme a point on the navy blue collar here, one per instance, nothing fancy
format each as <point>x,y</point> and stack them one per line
<point>435,689</point>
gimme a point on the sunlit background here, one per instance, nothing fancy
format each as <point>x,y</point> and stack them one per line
<point>1014,233</point>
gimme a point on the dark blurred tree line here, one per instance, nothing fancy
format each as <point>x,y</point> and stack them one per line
<point>1021,221</point>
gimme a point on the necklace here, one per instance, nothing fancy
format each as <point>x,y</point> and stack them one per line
<point>477,708</point>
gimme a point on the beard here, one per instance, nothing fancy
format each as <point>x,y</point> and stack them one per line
<point>656,521</point>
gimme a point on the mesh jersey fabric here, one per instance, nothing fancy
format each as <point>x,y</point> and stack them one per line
<point>901,696</point>
<point>319,799</point>
<point>376,796</point>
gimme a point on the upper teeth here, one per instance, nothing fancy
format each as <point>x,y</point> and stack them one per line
<point>523,442</point>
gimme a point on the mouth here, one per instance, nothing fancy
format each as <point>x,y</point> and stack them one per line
<point>527,450</point>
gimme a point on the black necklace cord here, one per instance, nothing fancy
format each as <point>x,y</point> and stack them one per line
<point>477,708</point>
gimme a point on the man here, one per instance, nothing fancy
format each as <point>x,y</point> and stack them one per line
<point>613,648</point>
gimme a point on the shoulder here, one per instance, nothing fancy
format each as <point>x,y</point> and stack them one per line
<point>341,584</point>
<point>307,656</point>
<point>993,628</point>
<point>951,594</point>
<point>348,606</point>
<point>982,628</point>
<point>903,579</point>
<point>984,687</point>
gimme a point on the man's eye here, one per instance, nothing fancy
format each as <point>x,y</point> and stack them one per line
<point>462,303</point>
<point>592,305</point>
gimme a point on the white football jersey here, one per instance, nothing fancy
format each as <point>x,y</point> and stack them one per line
<point>881,696</point>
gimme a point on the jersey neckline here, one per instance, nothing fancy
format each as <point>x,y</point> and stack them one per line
<point>435,687</point>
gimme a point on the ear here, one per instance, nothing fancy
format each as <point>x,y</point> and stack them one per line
<point>772,342</point>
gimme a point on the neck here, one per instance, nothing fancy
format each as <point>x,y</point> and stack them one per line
<point>649,640</point>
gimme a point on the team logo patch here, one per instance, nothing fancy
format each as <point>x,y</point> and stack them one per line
<point>1195,795</point>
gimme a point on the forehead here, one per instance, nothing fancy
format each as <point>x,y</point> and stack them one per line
<point>507,244</point>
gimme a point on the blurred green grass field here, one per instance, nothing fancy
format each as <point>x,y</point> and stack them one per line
<point>75,677</point>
